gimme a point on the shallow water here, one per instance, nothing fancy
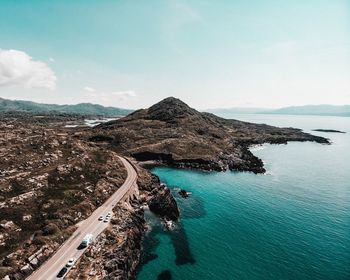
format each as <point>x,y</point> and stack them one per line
<point>292,223</point>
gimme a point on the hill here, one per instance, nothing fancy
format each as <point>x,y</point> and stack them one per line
<point>7,105</point>
<point>172,133</point>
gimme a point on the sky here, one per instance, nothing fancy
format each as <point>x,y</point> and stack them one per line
<point>210,54</point>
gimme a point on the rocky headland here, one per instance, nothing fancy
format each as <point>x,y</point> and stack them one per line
<point>173,134</point>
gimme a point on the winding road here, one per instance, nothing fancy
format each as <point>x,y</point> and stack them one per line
<point>53,265</point>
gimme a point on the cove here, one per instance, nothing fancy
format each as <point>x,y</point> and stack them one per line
<point>291,223</point>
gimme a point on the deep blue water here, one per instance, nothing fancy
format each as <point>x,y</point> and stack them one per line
<point>292,223</point>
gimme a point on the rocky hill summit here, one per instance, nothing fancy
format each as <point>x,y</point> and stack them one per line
<point>170,110</point>
<point>172,133</point>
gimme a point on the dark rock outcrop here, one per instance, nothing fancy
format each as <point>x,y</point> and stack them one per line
<point>183,193</point>
<point>157,196</point>
<point>163,204</point>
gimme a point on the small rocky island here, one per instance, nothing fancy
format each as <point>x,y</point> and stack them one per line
<point>328,130</point>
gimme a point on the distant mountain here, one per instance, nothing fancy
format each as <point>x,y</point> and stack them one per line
<point>7,105</point>
<point>318,110</point>
<point>235,110</point>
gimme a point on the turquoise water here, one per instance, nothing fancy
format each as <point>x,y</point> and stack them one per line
<point>292,223</point>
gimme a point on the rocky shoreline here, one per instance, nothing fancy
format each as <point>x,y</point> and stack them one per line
<point>242,159</point>
<point>116,253</point>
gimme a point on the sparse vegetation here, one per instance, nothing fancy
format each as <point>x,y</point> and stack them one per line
<point>49,180</point>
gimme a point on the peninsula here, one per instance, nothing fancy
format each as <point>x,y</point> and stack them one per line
<point>172,133</point>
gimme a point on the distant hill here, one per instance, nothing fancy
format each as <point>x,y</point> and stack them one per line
<point>317,110</point>
<point>227,112</point>
<point>7,105</point>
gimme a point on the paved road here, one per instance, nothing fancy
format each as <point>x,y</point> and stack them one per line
<point>51,267</point>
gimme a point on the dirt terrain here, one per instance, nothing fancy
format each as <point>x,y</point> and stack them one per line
<point>49,180</point>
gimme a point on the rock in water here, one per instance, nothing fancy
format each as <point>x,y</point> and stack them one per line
<point>163,204</point>
<point>184,193</point>
<point>329,130</point>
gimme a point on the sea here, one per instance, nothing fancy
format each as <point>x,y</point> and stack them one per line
<point>291,223</point>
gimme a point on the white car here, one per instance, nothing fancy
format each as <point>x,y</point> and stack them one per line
<point>70,262</point>
<point>100,218</point>
<point>106,220</point>
<point>86,241</point>
<point>108,214</point>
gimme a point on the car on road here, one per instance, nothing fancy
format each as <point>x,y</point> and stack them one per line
<point>100,218</point>
<point>108,214</point>
<point>62,272</point>
<point>70,262</point>
<point>106,220</point>
<point>86,241</point>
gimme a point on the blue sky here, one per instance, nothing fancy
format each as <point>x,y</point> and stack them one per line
<point>225,53</point>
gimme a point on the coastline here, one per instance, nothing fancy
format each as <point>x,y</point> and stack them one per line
<point>119,248</point>
<point>260,210</point>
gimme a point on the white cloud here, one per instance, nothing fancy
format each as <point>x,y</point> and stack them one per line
<point>109,98</point>
<point>125,94</point>
<point>18,68</point>
<point>89,89</point>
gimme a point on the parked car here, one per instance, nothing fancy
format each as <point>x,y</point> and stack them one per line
<point>70,262</point>
<point>62,272</point>
<point>86,241</point>
<point>106,220</point>
<point>100,218</point>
